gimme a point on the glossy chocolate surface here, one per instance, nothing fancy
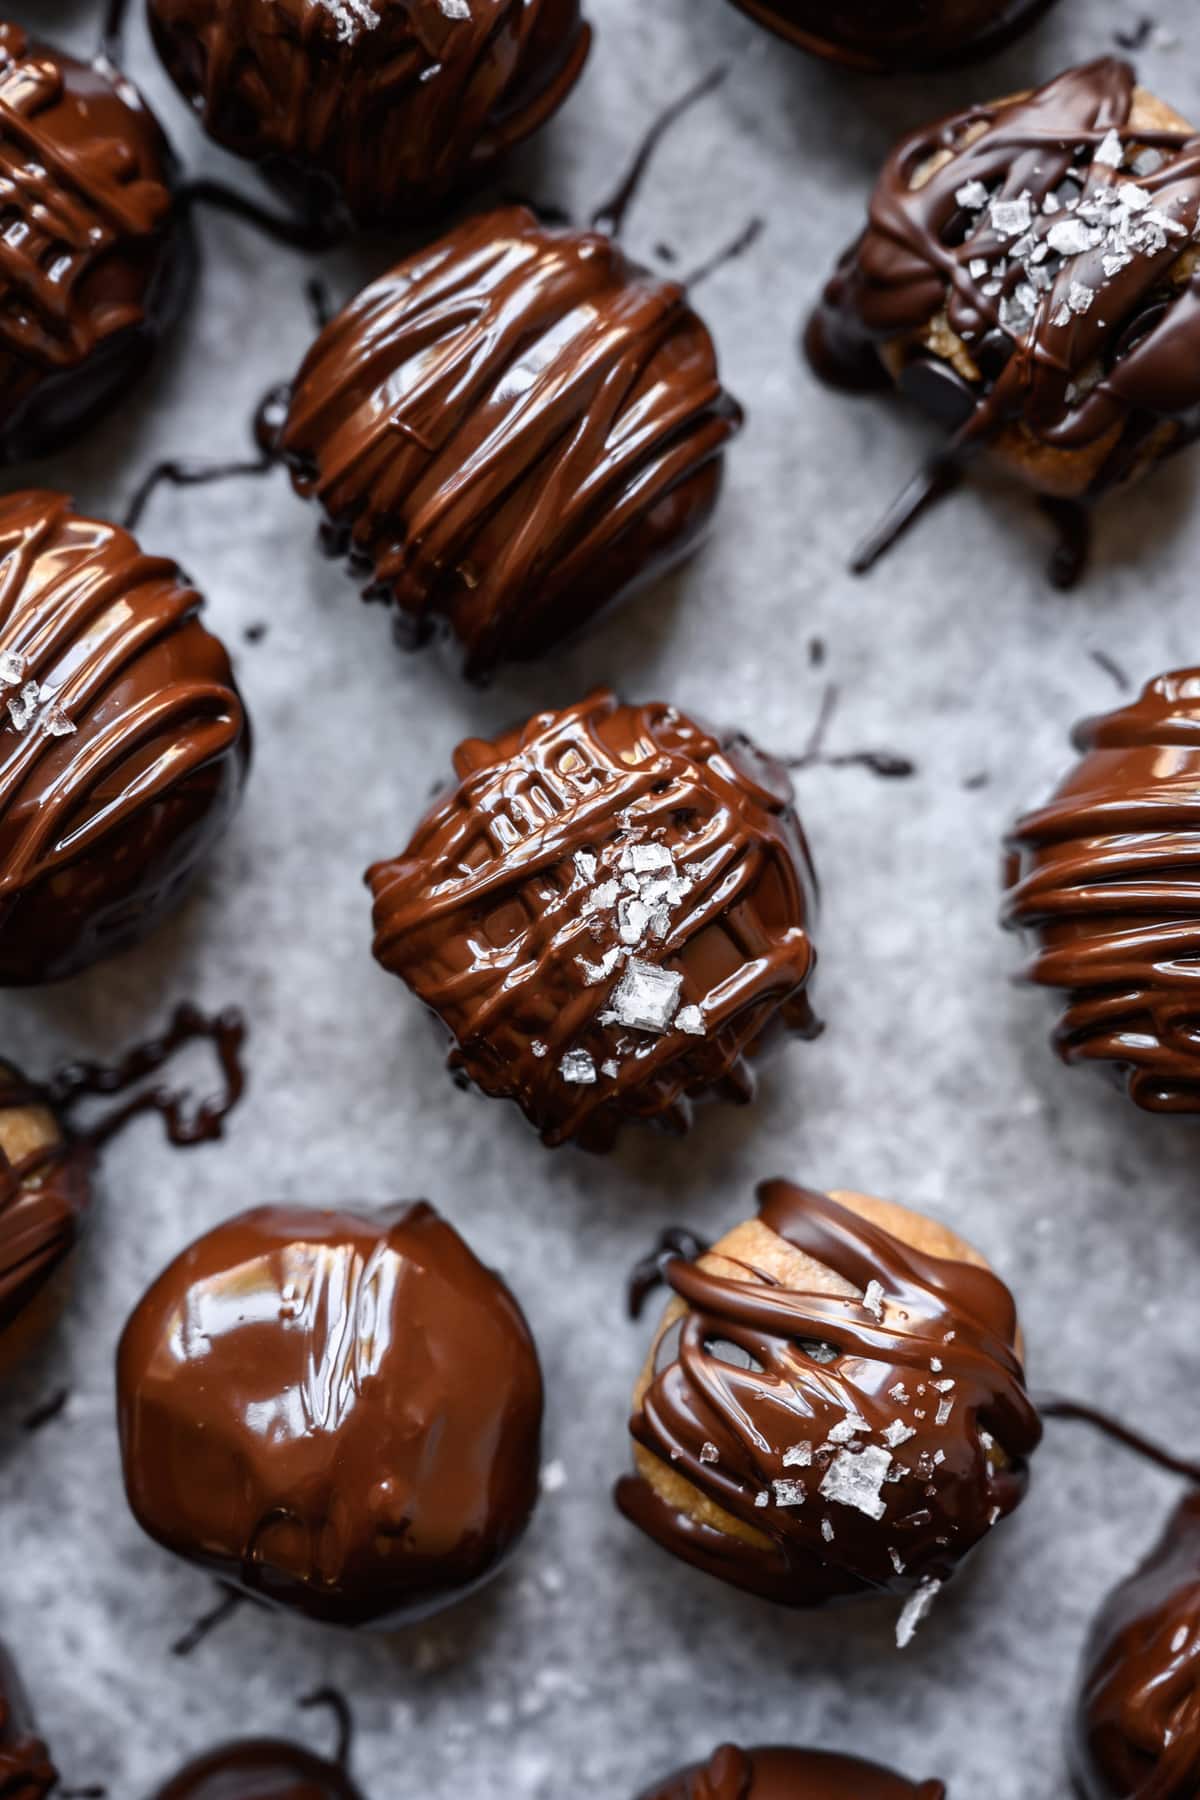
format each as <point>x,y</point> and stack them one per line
<point>45,1190</point>
<point>94,262</point>
<point>335,1411</point>
<point>26,1772</point>
<point>123,740</point>
<point>866,1443</point>
<point>774,1773</point>
<point>1105,879</point>
<point>260,1769</point>
<point>1050,236</point>
<point>510,430</point>
<point>897,34</point>
<point>609,914</point>
<point>1137,1722</point>
<point>382,107</point>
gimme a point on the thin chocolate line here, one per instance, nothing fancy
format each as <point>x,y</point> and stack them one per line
<point>610,217</point>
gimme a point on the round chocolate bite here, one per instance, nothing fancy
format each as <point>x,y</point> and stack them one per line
<point>885,35</point>
<point>379,109</point>
<point>338,1412</point>
<point>510,430</point>
<point>610,914</point>
<point>834,1405</point>
<point>1028,274</point>
<point>96,260</point>
<point>45,1191</point>
<point>774,1773</point>
<point>260,1769</point>
<point>1105,879</point>
<point>26,1772</point>
<point>1137,1720</point>
<point>123,740</point>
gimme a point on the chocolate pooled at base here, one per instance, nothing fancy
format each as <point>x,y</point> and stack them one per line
<point>1028,276</point>
<point>26,1772</point>
<point>1136,1732</point>
<point>338,1412</point>
<point>124,743</point>
<point>829,1410</point>
<point>894,35</point>
<point>775,1773</point>
<point>610,914</point>
<point>509,431</point>
<point>97,257</point>
<point>1105,880</point>
<point>380,110</point>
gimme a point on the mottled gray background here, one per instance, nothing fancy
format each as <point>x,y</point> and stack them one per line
<point>595,1662</point>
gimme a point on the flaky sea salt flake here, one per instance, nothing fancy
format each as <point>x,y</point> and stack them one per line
<point>647,996</point>
<point>873,1299</point>
<point>577,1068</point>
<point>1010,217</point>
<point>854,1479</point>
<point>709,1453</point>
<point>898,1433</point>
<point>798,1456</point>
<point>973,195</point>
<point>915,1610</point>
<point>12,668</point>
<point>790,1493</point>
<point>1110,152</point>
<point>691,1020</point>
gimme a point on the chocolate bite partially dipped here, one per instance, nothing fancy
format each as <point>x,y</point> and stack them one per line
<point>45,1191</point>
<point>96,260</point>
<point>338,1412</point>
<point>774,1773</point>
<point>1028,276</point>
<point>611,914</point>
<point>26,1772</point>
<point>260,1769</point>
<point>510,430</point>
<point>1105,882</point>
<point>834,1405</point>
<point>379,109</point>
<point>1136,1729</point>
<point>123,740</point>
<point>886,35</point>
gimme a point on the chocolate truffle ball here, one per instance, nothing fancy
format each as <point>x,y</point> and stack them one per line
<point>261,1769</point>
<point>882,35</point>
<point>338,1412</point>
<point>379,107</point>
<point>1027,275</point>
<point>778,1774</point>
<point>509,431</point>
<point>834,1404</point>
<point>1105,881</point>
<point>610,914</point>
<point>96,263</point>
<point>45,1190</point>
<point>1137,1721</point>
<point>26,1772</point>
<point>123,741</point>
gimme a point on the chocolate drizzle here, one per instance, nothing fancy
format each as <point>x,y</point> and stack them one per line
<point>26,1772</point>
<point>1105,880</point>
<point>123,741</point>
<point>1026,273</point>
<point>851,1443</point>
<point>507,432</point>
<point>779,1774</point>
<point>609,913</point>
<point>886,35</point>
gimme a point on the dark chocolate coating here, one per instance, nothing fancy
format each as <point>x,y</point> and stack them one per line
<point>923,1390</point>
<point>590,849</point>
<point>120,774</point>
<point>338,1412</point>
<point>1105,879</point>
<point>774,1773</point>
<point>885,35</point>
<point>26,1772</point>
<point>260,1769</point>
<point>509,431</point>
<point>1137,1720</point>
<point>45,1190</point>
<point>1075,303</point>
<point>94,260</point>
<point>382,107</point>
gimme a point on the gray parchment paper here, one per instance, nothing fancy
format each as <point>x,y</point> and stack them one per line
<point>595,1662</point>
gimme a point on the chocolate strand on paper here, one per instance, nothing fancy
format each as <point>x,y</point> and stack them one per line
<point>774,1773</point>
<point>26,1772</point>
<point>611,914</point>
<point>1027,276</point>
<point>1104,880</point>
<point>814,1442</point>
<point>894,35</point>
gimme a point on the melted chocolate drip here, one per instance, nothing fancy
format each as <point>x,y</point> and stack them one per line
<point>650,1272</point>
<point>185,1122</point>
<point>887,764</point>
<point>335,1702</point>
<point>201,1629</point>
<point>779,1774</point>
<point>611,215</point>
<point>313,232</point>
<point>1072,522</point>
<point>190,474</point>
<point>922,1361</point>
<point>737,247</point>
<point>1053,1406</point>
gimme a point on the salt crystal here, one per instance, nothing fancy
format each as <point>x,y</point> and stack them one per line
<point>898,1433</point>
<point>647,997</point>
<point>603,898</point>
<point>577,1068</point>
<point>1110,153</point>
<point>916,1608</point>
<point>977,268</point>
<point>945,1408</point>
<point>691,1020</point>
<point>847,1428</point>
<point>763,1499</point>
<point>854,1479</point>
<point>538,1048</point>
<point>798,1456</point>
<point>1010,217</point>
<point>973,195</point>
<point>22,709</point>
<point>899,1393</point>
<point>610,1068</point>
<point>1134,199</point>
<point>790,1493</point>
<point>936,1364</point>
<point>594,973</point>
<point>1070,237</point>
<point>709,1453</point>
<point>632,920</point>
<point>645,858</point>
<point>351,17</point>
<point>827,1530</point>
<point>945,1387</point>
<point>873,1299</point>
<point>455,9</point>
<point>585,865</point>
<point>897,1560</point>
<point>12,668</point>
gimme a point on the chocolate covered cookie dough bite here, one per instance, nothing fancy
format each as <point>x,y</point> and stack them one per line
<point>1104,881</point>
<point>889,35</point>
<point>1027,275</point>
<point>124,743</point>
<point>375,109</point>
<point>338,1412</point>
<point>774,1773</point>
<point>610,913</point>
<point>834,1405</point>
<point>26,1772</point>
<point>45,1193</point>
